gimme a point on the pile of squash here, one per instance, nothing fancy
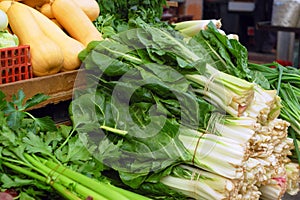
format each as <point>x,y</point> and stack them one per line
<point>56,30</point>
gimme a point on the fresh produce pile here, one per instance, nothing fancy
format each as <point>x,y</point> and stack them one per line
<point>7,39</point>
<point>168,112</point>
<point>218,124</point>
<point>55,30</point>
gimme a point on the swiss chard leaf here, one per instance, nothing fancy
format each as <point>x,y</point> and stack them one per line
<point>227,55</point>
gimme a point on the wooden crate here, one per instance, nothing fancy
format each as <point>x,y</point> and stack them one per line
<point>58,87</point>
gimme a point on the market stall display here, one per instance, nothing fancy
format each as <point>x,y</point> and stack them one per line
<point>156,112</point>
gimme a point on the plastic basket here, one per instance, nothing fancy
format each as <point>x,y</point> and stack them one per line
<point>15,64</point>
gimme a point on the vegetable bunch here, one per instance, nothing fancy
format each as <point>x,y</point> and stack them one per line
<point>156,102</point>
<point>38,155</point>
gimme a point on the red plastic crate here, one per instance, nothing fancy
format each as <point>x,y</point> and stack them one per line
<point>15,64</point>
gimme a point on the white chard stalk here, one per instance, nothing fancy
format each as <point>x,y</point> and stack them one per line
<point>293,179</point>
<point>192,27</point>
<point>200,184</point>
<point>265,105</point>
<point>274,190</point>
<point>228,92</point>
<point>215,153</point>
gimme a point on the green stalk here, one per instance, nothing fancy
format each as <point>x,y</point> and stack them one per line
<point>24,164</point>
<point>296,145</point>
<point>114,130</point>
<point>25,171</point>
<point>66,181</point>
<point>123,55</point>
<point>58,187</point>
<point>99,187</point>
<point>66,140</point>
<point>130,195</point>
<point>64,191</point>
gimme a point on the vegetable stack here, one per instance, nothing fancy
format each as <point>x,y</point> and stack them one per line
<point>55,37</point>
<point>40,160</point>
<point>172,117</point>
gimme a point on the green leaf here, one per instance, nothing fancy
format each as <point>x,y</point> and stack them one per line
<point>15,117</point>
<point>18,100</point>
<point>35,144</point>
<point>14,183</point>
<point>45,123</point>
<point>77,150</point>
<point>2,101</point>
<point>35,100</point>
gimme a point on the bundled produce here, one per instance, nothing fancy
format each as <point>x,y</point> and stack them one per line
<point>191,28</point>
<point>78,25</point>
<point>200,184</point>
<point>132,98</point>
<point>161,117</point>
<point>46,55</point>
<point>38,155</point>
<point>63,47</point>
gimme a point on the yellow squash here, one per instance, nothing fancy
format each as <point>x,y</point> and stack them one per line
<point>46,56</point>
<point>4,5</point>
<point>89,7</point>
<point>35,3</point>
<point>75,21</point>
<point>45,9</point>
<point>69,46</point>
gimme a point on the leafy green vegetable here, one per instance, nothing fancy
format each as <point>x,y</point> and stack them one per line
<point>140,103</point>
<point>148,10</point>
<point>286,80</point>
<point>43,161</point>
<point>8,40</point>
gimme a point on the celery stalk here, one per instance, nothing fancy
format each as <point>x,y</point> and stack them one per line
<point>109,191</point>
<point>57,186</point>
<point>67,182</point>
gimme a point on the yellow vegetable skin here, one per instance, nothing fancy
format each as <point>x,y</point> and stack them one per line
<point>46,56</point>
<point>75,21</point>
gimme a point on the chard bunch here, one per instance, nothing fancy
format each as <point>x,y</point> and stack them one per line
<point>254,172</point>
<point>293,180</point>
<point>265,106</point>
<point>268,136</point>
<point>270,148</point>
<point>216,154</point>
<point>229,93</point>
<point>201,184</point>
<point>273,168</point>
<point>249,192</point>
<point>193,27</point>
<point>240,129</point>
<point>273,190</point>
